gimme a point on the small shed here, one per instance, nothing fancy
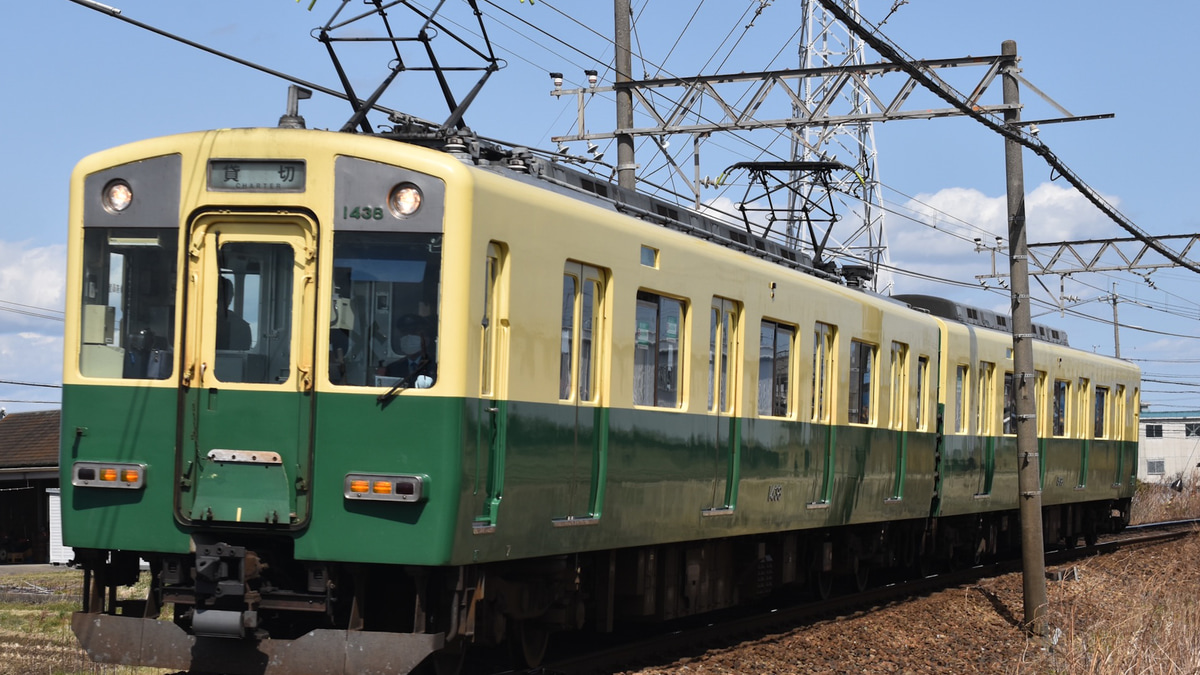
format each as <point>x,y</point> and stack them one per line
<point>28,467</point>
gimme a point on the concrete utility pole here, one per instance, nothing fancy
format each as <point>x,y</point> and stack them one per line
<point>624,64</point>
<point>1029,477</point>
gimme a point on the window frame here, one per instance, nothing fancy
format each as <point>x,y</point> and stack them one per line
<point>659,303</point>
<point>724,315</point>
<point>962,393</point>
<point>985,381</point>
<point>1100,413</point>
<point>579,374</point>
<point>922,392</point>
<point>824,372</point>
<point>779,392</point>
<point>863,388</point>
<point>1060,409</point>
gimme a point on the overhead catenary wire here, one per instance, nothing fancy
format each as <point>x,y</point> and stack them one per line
<point>31,384</point>
<point>896,55</point>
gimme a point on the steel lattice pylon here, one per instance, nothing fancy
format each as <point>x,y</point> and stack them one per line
<point>826,42</point>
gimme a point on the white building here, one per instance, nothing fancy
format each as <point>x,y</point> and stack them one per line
<point>1168,445</point>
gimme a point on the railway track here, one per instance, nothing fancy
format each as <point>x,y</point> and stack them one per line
<point>727,629</point>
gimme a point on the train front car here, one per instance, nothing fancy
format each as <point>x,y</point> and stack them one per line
<point>259,400</point>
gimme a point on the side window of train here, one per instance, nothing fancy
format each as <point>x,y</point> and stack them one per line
<point>862,382</point>
<point>383,319</point>
<point>899,363</point>
<point>983,401</point>
<point>1083,398</point>
<point>824,337</point>
<point>960,396</point>
<point>1039,397</point>
<point>1062,390</point>
<point>1009,425</point>
<point>128,315</point>
<point>658,351</point>
<point>961,390</point>
<point>922,390</point>
<point>774,368</point>
<point>723,355</point>
<point>494,318</point>
<point>1119,409</point>
<point>582,329</point>
<point>1101,418</point>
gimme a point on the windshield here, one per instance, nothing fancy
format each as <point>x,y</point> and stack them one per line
<point>127,325</point>
<point>383,313</point>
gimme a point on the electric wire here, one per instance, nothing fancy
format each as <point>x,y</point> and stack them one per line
<point>31,384</point>
<point>28,310</point>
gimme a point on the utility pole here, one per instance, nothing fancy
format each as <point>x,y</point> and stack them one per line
<point>624,66</point>
<point>1033,554</point>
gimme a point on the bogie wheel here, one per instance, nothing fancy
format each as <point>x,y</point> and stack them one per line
<point>529,642</point>
<point>862,576</point>
<point>822,583</point>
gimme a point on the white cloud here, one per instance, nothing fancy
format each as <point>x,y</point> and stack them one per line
<point>941,244</point>
<point>34,279</point>
<point>31,280</point>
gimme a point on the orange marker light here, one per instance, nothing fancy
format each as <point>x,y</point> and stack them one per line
<point>129,475</point>
<point>108,474</point>
<point>360,485</point>
<point>382,487</point>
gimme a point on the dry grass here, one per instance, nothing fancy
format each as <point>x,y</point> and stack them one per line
<point>36,637</point>
<point>1130,612</point>
<point>1134,611</point>
<point>1157,502</point>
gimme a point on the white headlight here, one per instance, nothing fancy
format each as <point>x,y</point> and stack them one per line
<point>404,200</point>
<point>117,196</point>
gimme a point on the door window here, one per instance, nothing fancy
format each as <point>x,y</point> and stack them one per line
<point>253,312</point>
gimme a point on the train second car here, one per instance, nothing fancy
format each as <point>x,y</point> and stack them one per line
<point>361,403</point>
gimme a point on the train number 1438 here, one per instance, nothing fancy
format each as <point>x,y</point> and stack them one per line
<point>362,213</point>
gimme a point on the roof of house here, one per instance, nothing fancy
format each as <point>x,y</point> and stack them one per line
<point>1172,415</point>
<point>29,439</point>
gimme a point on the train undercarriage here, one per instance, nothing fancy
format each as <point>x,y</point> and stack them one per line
<point>240,607</point>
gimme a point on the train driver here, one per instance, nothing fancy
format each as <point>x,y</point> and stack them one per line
<point>415,366</point>
<point>233,332</point>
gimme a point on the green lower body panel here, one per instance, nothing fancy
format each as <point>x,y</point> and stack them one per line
<point>512,479</point>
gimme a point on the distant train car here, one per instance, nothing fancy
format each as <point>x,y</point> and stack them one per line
<point>363,402</point>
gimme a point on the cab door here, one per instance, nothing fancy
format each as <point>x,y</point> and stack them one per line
<point>245,422</point>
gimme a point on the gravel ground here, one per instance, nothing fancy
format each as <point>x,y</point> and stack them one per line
<point>974,629</point>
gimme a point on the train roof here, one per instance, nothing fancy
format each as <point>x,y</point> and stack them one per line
<point>524,164</point>
<point>975,316</point>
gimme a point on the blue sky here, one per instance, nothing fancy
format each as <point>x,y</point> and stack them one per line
<point>77,81</point>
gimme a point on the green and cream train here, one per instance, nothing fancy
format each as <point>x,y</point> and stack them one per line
<point>362,401</point>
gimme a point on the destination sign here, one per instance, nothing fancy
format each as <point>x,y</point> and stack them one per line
<point>255,175</point>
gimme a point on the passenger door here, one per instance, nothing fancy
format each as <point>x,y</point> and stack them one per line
<point>245,427</point>
<point>583,334</point>
<point>723,359</point>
